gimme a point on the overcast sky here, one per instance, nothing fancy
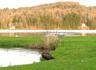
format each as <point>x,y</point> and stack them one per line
<point>29,3</point>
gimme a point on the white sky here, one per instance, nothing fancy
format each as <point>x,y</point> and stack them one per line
<point>29,3</point>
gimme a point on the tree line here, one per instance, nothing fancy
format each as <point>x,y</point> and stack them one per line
<point>47,17</point>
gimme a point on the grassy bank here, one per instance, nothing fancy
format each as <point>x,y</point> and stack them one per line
<point>73,53</point>
<point>19,42</point>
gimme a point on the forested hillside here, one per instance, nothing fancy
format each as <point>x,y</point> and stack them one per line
<point>60,15</point>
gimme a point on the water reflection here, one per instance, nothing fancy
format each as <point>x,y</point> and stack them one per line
<point>11,57</point>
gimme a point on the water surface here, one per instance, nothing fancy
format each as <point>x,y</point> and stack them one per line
<point>17,56</point>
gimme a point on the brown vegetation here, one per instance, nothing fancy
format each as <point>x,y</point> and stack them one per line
<point>49,16</point>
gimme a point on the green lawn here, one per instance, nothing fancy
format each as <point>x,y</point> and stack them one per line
<point>20,42</point>
<point>73,53</point>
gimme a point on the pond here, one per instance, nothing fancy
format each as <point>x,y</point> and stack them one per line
<point>18,56</point>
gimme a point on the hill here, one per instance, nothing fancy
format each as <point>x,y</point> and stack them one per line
<point>60,15</point>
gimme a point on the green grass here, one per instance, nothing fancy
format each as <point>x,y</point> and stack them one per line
<point>73,53</point>
<point>19,42</point>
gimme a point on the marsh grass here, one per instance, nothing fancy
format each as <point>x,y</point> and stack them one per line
<point>51,41</point>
